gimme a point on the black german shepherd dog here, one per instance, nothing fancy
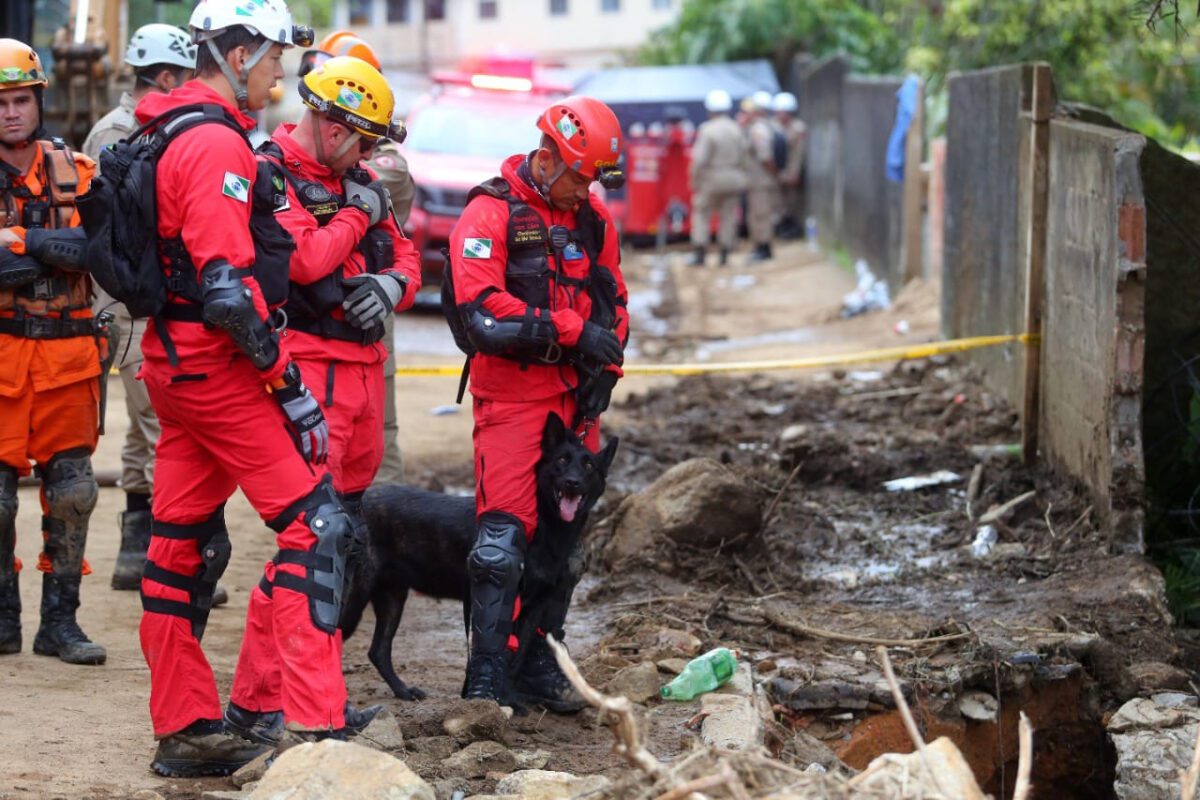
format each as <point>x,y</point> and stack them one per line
<point>419,540</point>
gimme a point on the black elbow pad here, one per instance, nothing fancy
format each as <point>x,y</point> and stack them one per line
<point>228,305</point>
<point>527,335</point>
<point>63,248</point>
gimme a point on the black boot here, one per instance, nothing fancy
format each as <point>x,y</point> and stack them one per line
<point>540,682</point>
<point>131,558</point>
<point>724,262</point>
<point>59,634</point>
<point>358,719</point>
<point>761,252</point>
<point>204,748</point>
<point>487,677</point>
<point>260,727</point>
<point>10,615</point>
<point>220,596</point>
<point>697,259</point>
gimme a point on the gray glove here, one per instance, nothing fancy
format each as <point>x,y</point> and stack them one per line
<point>372,199</point>
<point>373,298</point>
<point>306,421</point>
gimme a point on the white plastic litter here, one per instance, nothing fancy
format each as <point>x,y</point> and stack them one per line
<point>985,540</point>
<point>922,481</point>
<point>871,293</point>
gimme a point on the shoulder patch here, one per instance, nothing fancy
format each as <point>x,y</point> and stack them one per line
<point>236,186</point>
<point>477,248</point>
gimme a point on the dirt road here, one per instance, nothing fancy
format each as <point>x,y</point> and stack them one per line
<point>85,732</point>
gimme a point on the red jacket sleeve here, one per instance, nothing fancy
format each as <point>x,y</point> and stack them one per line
<point>320,250</point>
<point>213,173</point>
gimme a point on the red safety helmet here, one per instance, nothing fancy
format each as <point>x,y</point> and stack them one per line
<point>588,136</point>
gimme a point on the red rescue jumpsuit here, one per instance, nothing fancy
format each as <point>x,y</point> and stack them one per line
<point>512,400</point>
<point>343,375</point>
<point>221,430</point>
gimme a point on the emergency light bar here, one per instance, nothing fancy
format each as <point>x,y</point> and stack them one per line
<point>502,83</point>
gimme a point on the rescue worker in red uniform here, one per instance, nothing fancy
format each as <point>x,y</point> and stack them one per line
<point>535,261</point>
<point>352,269</point>
<point>49,360</point>
<point>234,411</point>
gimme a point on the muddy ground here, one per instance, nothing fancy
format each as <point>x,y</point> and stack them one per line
<point>1047,622</point>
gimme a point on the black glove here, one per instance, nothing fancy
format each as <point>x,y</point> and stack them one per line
<point>594,396</point>
<point>373,298</point>
<point>17,271</point>
<point>307,423</point>
<point>372,199</point>
<point>600,344</point>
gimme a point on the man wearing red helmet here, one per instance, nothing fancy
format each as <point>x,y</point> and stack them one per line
<point>535,261</point>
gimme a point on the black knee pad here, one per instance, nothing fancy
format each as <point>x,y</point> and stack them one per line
<point>325,561</point>
<point>8,520</point>
<point>71,492</point>
<point>212,541</point>
<point>494,567</point>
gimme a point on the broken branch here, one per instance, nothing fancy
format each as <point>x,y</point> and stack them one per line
<point>791,626</point>
<point>997,513</point>
<point>779,494</point>
<point>910,724</point>
<point>623,724</point>
<point>1024,758</point>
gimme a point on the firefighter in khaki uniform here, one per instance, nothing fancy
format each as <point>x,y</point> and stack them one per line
<point>49,361</point>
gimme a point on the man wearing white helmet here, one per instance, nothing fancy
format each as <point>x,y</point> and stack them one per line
<point>795,135</point>
<point>762,195</point>
<point>162,57</point>
<point>233,409</point>
<point>718,175</point>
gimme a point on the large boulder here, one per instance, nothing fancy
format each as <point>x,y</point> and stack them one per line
<point>1154,741</point>
<point>698,503</point>
<point>339,769</point>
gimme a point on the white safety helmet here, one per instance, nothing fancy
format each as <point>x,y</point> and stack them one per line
<point>784,103</point>
<point>761,100</point>
<point>158,43</point>
<point>718,101</point>
<point>270,19</point>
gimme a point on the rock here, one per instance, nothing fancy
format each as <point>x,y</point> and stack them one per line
<point>807,751</point>
<point>822,694</point>
<point>383,733</point>
<point>439,747</point>
<point>731,721</point>
<point>1154,745</point>
<point>445,788</point>
<point>222,795</point>
<point>339,769</point>
<point>252,771</point>
<point>639,682</point>
<point>1175,700</point>
<point>532,759</point>
<point>672,666</point>
<point>536,784</point>
<point>699,503</point>
<point>146,794</point>
<point>479,758</point>
<point>978,705</point>
<point>1154,676</point>
<point>951,776</point>
<point>476,720</point>
<point>677,643</point>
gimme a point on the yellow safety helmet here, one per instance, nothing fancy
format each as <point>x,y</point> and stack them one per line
<point>352,92</point>
<point>20,66</point>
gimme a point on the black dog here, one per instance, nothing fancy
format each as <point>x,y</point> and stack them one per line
<point>419,540</point>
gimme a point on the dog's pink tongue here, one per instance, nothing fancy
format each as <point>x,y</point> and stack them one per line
<point>568,506</point>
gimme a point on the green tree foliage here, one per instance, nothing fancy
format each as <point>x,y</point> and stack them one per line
<point>1115,54</point>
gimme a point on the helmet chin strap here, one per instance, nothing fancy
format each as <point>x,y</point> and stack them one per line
<point>238,82</point>
<point>319,143</point>
<point>543,186</point>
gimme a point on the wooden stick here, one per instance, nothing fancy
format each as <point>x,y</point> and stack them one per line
<point>779,494</point>
<point>745,570</point>
<point>686,789</point>
<point>910,724</point>
<point>623,725</point>
<point>1189,779</point>
<point>999,512</point>
<point>791,626</point>
<point>1024,759</point>
<point>973,489</point>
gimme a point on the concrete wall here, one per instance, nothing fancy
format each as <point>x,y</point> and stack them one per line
<point>1093,330</point>
<point>871,219</point>
<point>820,99</point>
<point>983,275</point>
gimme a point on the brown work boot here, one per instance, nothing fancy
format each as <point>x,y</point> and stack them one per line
<point>204,748</point>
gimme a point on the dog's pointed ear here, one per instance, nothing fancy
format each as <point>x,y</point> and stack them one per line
<point>554,434</point>
<point>605,457</point>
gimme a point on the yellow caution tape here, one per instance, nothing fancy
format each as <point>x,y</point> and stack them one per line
<point>841,360</point>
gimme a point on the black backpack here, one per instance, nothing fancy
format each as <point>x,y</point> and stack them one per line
<point>119,211</point>
<point>779,148</point>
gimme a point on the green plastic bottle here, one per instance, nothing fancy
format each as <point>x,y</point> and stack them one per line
<point>702,674</point>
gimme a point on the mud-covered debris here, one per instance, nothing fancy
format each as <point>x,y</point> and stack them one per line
<point>537,784</point>
<point>802,750</point>
<point>905,776</point>
<point>253,771</point>
<point>677,643</point>
<point>383,733</point>
<point>222,794</point>
<point>146,794</point>
<point>343,770</point>
<point>532,759</point>
<point>479,758</point>
<point>825,694</point>
<point>476,720</point>
<point>672,666</point>
<point>731,722</point>
<point>699,503</point>
<point>639,682</point>
<point>1154,676</point>
<point>446,788</point>
<point>438,747</point>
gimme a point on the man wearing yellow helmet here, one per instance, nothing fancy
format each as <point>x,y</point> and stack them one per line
<point>352,269</point>
<point>49,360</point>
